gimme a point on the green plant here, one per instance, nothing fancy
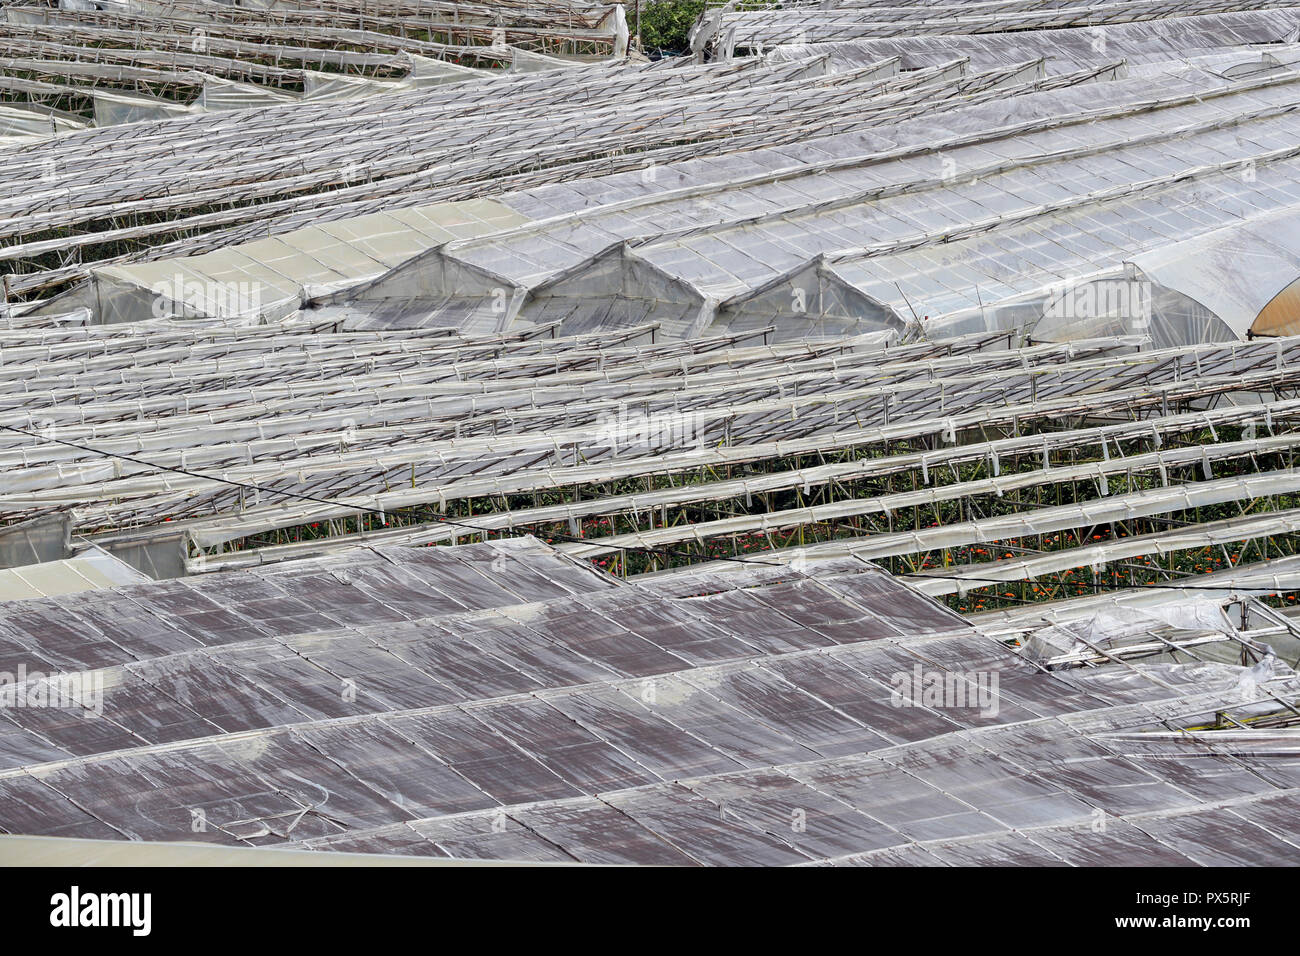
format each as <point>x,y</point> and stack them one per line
<point>665,24</point>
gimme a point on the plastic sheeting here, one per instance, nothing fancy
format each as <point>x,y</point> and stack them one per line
<point>26,122</point>
<point>1256,578</point>
<point>217,94</point>
<point>1233,271</point>
<point>35,540</point>
<point>481,282</point>
<point>1112,629</point>
<point>114,109</point>
<point>268,278</point>
<point>830,512</point>
<point>94,570</point>
<point>457,129</point>
<point>1098,556</point>
<point>1130,303</point>
<point>1171,39</point>
<point>979,239</point>
<point>417,424</point>
<point>1003,279</point>
<point>423,74</point>
<point>500,702</point>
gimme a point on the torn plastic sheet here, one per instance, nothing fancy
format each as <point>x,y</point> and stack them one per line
<point>1113,628</point>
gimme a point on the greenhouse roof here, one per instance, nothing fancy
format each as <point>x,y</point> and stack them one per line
<point>502,702</point>
<point>436,430</point>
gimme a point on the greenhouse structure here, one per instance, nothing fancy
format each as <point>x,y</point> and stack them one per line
<point>466,432</point>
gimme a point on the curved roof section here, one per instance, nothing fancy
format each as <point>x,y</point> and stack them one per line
<point>1282,314</point>
<point>1126,303</point>
<point>954,232</point>
<point>1235,271</point>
